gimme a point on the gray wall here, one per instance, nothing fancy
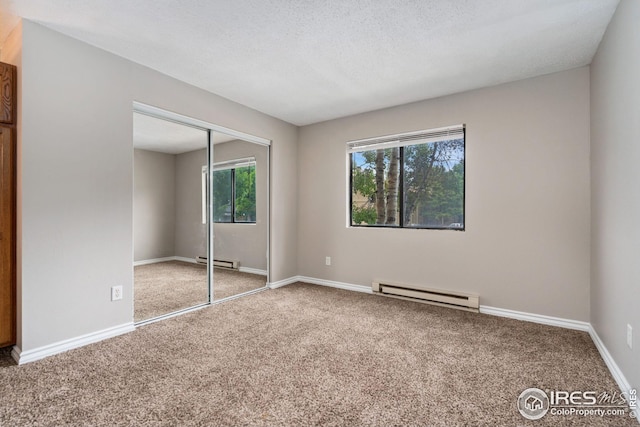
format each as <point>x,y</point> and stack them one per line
<point>245,242</point>
<point>154,204</point>
<point>77,187</point>
<point>615,178</point>
<point>191,233</point>
<point>76,172</point>
<point>168,211</point>
<point>526,244</point>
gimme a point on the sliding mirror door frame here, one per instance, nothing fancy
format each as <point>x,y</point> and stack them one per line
<point>170,282</point>
<point>240,191</point>
<point>210,128</point>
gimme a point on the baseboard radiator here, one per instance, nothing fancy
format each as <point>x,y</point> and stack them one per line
<point>219,262</point>
<point>443,298</point>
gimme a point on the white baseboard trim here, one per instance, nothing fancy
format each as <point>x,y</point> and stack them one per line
<point>252,271</point>
<point>193,261</point>
<point>321,282</point>
<point>185,259</point>
<point>153,261</point>
<point>280,283</point>
<point>536,318</point>
<point>22,357</point>
<point>334,284</point>
<point>617,374</point>
<point>165,259</point>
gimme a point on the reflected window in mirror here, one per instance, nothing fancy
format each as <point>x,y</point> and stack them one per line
<point>234,191</point>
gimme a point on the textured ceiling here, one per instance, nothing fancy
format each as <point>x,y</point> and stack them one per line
<point>306,61</point>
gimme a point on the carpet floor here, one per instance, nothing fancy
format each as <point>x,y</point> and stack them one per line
<point>170,286</point>
<point>306,355</point>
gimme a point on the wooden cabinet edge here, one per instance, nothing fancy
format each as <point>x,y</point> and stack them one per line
<point>8,90</point>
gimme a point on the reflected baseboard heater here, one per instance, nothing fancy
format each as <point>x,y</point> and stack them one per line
<point>219,262</point>
<point>443,298</point>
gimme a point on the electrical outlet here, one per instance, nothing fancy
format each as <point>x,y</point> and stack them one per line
<point>629,336</point>
<point>116,293</point>
<point>327,260</point>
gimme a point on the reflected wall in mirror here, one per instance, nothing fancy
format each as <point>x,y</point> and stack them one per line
<point>169,233</point>
<point>240,214</point>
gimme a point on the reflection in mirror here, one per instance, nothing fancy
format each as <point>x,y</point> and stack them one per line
<point>240,214</point>
<point>169,233</point>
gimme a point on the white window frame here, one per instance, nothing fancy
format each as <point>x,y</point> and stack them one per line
<point>228,164</point>
<point>403,140</point>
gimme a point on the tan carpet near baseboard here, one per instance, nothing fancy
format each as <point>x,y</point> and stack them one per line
<point>165,287</point>
<point>307,355</point>
<point>227,283</point>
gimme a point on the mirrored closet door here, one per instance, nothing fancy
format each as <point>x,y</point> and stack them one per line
<point>240,215</point>
<point>201,214</point>
<point>170,229</point>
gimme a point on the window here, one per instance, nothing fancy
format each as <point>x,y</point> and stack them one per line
<point>234,191</point>
<point>411,180</point>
